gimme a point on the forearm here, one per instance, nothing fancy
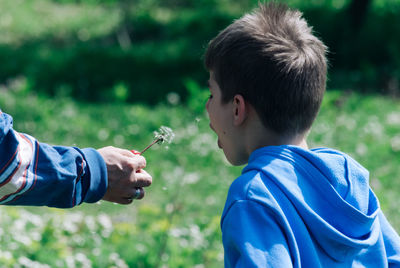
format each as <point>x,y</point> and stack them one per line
<point>33,173</point>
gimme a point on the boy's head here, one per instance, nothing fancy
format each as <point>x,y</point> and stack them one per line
<point>272,59</point>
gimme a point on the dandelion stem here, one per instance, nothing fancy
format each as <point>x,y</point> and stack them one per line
<point>154,142</point>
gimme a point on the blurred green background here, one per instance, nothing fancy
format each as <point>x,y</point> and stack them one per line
<point>140,50</point>
<point>96,73</point>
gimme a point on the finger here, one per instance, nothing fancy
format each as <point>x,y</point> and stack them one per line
<point>136,161</point>
<point>125,201</point>
<point>141,194</point>
<point>121,200</point>
<point>135,152</point>
<point>136,193</point>
<point>141,179</point>
<point>129,153</point>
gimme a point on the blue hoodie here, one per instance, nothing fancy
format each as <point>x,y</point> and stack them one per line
<point>293,207</point>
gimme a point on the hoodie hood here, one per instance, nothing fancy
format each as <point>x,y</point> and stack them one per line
<point>330,192</point>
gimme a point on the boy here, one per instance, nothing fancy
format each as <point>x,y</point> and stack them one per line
<point>292,206</point>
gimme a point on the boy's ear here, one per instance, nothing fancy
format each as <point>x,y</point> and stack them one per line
<point>239,110</point>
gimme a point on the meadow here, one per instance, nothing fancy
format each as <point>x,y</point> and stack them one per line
<point>177,224</point>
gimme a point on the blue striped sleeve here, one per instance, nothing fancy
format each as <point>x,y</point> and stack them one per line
<point>33,173</point>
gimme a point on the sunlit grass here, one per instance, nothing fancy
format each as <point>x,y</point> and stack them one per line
<point>177,224</point>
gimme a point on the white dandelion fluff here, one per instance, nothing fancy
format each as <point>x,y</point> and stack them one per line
<point>164,134</point>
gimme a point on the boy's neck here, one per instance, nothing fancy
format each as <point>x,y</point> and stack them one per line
<point>258,136</point>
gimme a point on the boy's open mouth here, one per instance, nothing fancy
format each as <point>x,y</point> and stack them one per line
<point>218,142</point>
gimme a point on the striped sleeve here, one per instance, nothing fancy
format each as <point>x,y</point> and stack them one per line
<point>18,174</point>
<point>33,173</point>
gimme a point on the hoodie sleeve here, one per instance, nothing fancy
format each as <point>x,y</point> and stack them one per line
<point>38,174</point>
<point>252,238</point>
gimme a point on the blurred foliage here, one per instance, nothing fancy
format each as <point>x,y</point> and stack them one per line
<point>140,50</point>
<point>177,224</point>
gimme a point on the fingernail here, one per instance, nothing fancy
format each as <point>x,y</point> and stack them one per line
<point>135,152</point>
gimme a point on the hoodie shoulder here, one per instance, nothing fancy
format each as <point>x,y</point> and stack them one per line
<point>322,200</point>
<point>249,186</point>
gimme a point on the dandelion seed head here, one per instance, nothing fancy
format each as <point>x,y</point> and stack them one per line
<point>164,134</point>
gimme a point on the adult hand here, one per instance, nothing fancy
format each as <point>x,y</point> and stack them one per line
<point>125,175</point>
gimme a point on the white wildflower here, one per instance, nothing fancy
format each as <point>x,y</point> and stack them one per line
<point>395,143</point>
<point>173,98</point>
<point>83,260</point>
<point>361,149</point>
<point>96,251</point>
<point>106,223</point>
<point>103,134</point>
<point>191,178</point>
<point>393,119</point>
<point>116,259</point>
<point>25,262</point>
<point>90,223</point>
<point>374,127</point>
<point>6,255</point>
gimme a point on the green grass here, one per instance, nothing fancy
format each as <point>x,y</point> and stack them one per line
<point>177,224</point>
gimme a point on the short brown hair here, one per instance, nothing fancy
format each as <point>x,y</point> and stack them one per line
<point>272,58</point>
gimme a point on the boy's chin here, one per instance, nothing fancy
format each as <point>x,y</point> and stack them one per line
<point>237,161</point>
